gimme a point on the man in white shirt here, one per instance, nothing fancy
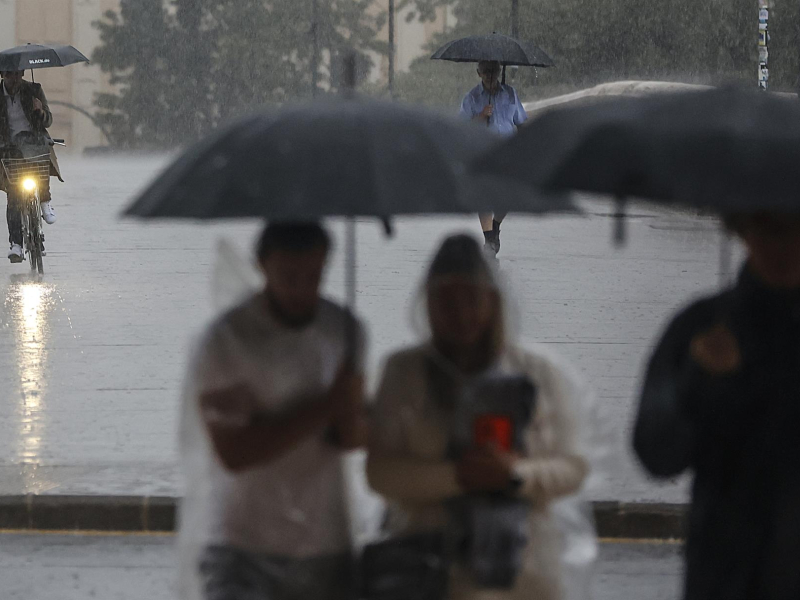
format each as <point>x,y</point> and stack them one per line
<point>499,106</point>
<point>279,392</point>
<point>24,119</point>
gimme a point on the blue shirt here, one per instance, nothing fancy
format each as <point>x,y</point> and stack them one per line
<point>508,111</point>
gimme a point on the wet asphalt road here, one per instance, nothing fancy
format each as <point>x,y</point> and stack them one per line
<point>92,355</point>
<point>64,567</point>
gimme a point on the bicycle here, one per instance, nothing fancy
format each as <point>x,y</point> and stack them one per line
<point>24,177</point>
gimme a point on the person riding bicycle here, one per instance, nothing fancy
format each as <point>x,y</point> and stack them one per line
<point>24,119</point>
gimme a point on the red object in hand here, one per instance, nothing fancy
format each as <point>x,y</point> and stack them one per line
<point>494,430</point>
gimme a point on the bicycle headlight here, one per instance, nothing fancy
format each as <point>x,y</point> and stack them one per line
<point>28,184</point>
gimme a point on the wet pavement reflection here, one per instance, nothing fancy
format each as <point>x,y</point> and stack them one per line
<point>28,303</point>
<point>93,354</point>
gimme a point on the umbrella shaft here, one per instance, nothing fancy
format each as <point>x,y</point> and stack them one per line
<point>350,265</point>
<point>350,283</point>
<point>725,251</point>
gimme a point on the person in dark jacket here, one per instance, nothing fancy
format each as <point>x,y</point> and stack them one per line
<point>722,398</point>
<point>24,119</point>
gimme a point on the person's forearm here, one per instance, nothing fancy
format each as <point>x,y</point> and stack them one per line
<point>45,114</point>
<point>47,118</point>
<point>411,480</point>
<point>664,435</point>
<point>268,437</point>
<point>546,479</point>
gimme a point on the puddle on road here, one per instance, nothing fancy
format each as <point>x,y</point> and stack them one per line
<point>29,303</point>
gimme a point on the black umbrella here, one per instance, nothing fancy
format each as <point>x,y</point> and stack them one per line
<point>337,158</point>
<point>497,47</point>
<point>728,150</point>
<point>38,56</point>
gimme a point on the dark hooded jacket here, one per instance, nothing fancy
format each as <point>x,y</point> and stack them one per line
<point>740,435</point>
<point>39,122</point>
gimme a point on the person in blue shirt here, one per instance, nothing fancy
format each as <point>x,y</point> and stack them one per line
<point>500,108</point>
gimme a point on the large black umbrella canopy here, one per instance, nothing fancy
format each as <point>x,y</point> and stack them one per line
<point>501,48</point>
<point>39,56</point>
<point>729,150</point>
<point>337,158</point>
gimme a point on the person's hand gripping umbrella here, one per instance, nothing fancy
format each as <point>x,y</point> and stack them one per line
<point>494,47</point>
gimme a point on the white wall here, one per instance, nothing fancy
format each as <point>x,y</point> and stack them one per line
<point>87,80</point>
<point>8,24</point>
<point>410,40</point>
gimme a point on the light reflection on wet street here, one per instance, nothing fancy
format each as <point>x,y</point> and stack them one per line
<point>93,354</point>
<point>28,302</point>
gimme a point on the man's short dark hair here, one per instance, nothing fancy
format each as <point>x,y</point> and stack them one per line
<point>292,237</point>
<point>484,66</point>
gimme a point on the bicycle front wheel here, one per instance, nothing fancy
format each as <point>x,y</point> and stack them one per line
<point>35,235</point>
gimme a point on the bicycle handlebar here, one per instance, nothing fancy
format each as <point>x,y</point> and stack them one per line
<point>50,142</point>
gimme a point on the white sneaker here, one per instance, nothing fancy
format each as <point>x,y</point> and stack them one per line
<point>15,254</point>
<point>48,214</point>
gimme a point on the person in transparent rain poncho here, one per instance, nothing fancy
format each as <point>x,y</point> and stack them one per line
<point>410,451</point>
<point>271,403</point>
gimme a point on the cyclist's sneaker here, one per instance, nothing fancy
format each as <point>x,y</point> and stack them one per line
<point>48,214</point>
<point>15,254</point>
<point>496,232</point>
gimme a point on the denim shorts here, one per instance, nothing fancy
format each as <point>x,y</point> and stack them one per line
<point>229,573</point>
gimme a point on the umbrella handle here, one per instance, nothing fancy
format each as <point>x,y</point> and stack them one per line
<point>725,248</point>
<point>620,230</point>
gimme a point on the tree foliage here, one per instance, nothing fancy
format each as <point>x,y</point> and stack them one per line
<point>184,66</point>
<point>595,41</point>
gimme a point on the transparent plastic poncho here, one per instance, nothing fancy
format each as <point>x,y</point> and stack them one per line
<point>562,545</point>
<point>574,552</point>
<point>234,279</point>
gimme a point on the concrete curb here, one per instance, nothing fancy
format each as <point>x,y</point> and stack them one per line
<point>640,520</point>
<point>88,513</point>
<point>157,514</point>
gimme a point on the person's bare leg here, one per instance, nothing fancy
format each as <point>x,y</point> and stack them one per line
<point>491,237</point>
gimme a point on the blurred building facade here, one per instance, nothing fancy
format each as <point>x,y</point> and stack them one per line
<point>62,22</point>
<point>70,22</point>
<point>411,39</point>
